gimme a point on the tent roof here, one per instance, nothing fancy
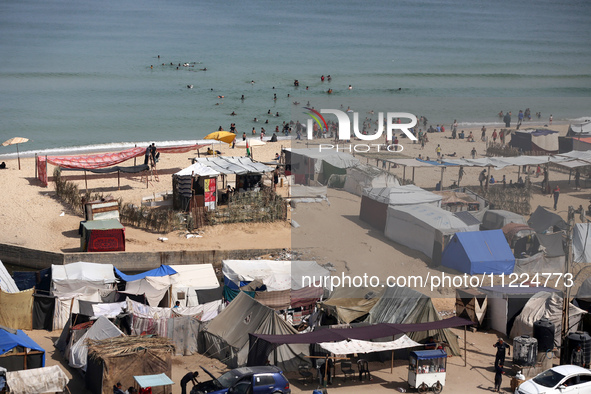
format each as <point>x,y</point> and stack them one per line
<point>582,243</point>
<point>163,270</point>
<point>536,132</point>
<point>351,346</point>
<point>336,159</point>
<point>198,169</point>
<point>276,275</point>
<point>542,219</point>
<point>488,245</point>
<point>83,271</point>
<point>7,284</point>
<point>401,195</point>
<point>9,341</point>
<point>299,269</point>
<point>467,218</point>
<point>105,224</point>
<point>552,244</point>
<point>233,165</point>
<point>198,276</point>
<point>433,216</point>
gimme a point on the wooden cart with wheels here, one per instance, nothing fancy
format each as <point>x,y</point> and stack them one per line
<point>426,371</point>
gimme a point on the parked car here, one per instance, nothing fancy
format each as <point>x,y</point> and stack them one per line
<point>563,379</point>
<point>246,380</point>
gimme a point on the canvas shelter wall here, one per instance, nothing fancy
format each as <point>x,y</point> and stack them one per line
<point>582,243</point>
<point>43,309</point>
<point>7,284</point>
<point>38,380</point>
<point>374,213</point>
<point>189,279</point>
<point>103,373</point>
<point>363,176</point>
<point>543,221</point>
<point>16,309</point>
<point>226,336</point>
<point>101,329</point>
<point>539,263</point>
<point>479,252</point>
<point>497,219</point>
<point>403,305</point>
<point>549,306</point>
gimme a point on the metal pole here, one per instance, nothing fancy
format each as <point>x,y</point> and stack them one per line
<point>441,181</point>
<point>465,349</point>
<point>85,182</point>
<point>403,174</point>
<point>568,260</point>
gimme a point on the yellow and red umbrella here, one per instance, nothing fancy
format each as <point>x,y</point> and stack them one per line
<point>16,141</point>
<point>224,136</point>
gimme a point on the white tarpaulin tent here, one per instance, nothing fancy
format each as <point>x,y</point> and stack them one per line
<point>101,329</point>
<point>37,380</point>
<point>233,165</point>
<point>582,243</point>
<point>336,159</point>
<point>197,169</point>
<point>351,346</point>
<point>6,282</point>
<point>545,305</point>
<point>192,277</point>
<point>423,227</point>
<point>403,195</point>
<point>276,275</point>
<point>363,175</point>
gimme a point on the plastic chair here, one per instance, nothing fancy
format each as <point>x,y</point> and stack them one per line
<point>304,370</point>
<point>347,369</point>
<point>363,367</point>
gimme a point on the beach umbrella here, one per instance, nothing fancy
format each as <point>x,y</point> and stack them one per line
<point>16,141</point>
<point>224,136</point>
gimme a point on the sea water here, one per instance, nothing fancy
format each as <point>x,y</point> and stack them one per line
<point>79,73</point>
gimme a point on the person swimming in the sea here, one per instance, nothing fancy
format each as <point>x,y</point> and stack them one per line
<point>233,113</point>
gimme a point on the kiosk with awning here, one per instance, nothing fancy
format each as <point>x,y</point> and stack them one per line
<point>197,180</point>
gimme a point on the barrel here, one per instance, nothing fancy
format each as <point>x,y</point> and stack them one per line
<point>525,350</point>
<point>544,331</point>
<point>579,338</point>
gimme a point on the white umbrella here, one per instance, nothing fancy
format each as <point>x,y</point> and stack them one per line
<point>16,141</point>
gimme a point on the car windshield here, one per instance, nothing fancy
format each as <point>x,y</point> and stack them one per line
<point>548,378</point>
<point>228,379</point>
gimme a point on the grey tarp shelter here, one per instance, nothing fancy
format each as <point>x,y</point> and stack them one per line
<point>542,220</point>
<point>497,219</point>
<point>226,336</point>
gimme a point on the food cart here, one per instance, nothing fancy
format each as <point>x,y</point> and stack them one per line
<point>426,370</point>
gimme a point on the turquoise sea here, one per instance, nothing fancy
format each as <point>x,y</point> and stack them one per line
<point>78,73</point>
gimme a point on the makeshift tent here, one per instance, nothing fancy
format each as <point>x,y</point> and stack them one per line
<point>312,164</point>
<point>403,305</point>
<point>39,380</point>
<point>120,359</point>
<point>505,304</point>
<point>375,202</point>
<point>7,284</point>
<point>262,345</point>
<point>456,201</point>
<point>18,351</point>
<point>479,252</point>
<point>40,280</point>
<point>518,233</point>
<point>347,304</point>
<point>308,280</point>
<point>582,129</point>
<point>497,219</point>
<point>102,328</point>
<point>195,180</point>
<point>424,228</point>
<point>351,346</point>
<point>226,336</point>
<point>16,309</point>
<point>546,305</point>
<point>535,140</point>
<point>363,176</point>
<point>102,236</point>
<point>78,281</point>
<point>546,255</point>
<point>543,221</point>
<point>43,311</point>
<point>582,243</point>
<point>190,280</point>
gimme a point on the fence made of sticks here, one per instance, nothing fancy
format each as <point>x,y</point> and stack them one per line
<point>260,206</point>
<point>514,199</point>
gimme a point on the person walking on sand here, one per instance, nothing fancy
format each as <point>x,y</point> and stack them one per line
<point>507,119</point>
<point>473,152</point>
<point>556,194</point>
<point>482,177</point>
<point>498,376</point>
<point>494,135</point>
<point>501,346</point>
<point>483,135</point>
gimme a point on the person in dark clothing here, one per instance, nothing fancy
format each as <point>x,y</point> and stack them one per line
<point>189,377</point>
<point>507,119</point>
<point>556,194</point>
<point>501,346</point>
<point>576,357</point>
<point>118,389</point>
<point>147,155</point>
<point>498,376</point>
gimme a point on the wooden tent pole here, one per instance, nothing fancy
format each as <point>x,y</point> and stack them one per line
<point>403,174</point>
<point>85,182</point>
<point>119,179</point>
<point>413,175</point>
<point>465,350</point>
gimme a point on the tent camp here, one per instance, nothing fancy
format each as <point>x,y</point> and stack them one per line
<point>535,140</point>
<point>18,351</point>
<point>423,227</point>
<point>582,129</point>
<point>479,252</point>
<point>226,336</point>
<point>506,303</point>
<point>310,164</point>
<point>195,180</point>
<point>546,254</point>
<point>545,305</point>
<point>497,219</point>
<point>347,304</point>
<point>403,305</point>
<point>363,175</point>
<point>543,221</point>
<point>375,202</point>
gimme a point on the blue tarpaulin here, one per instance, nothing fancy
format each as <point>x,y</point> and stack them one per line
<point>429,354</point>
<point>9,341</point>
<point>163,270</point>
<point>479,252</point>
